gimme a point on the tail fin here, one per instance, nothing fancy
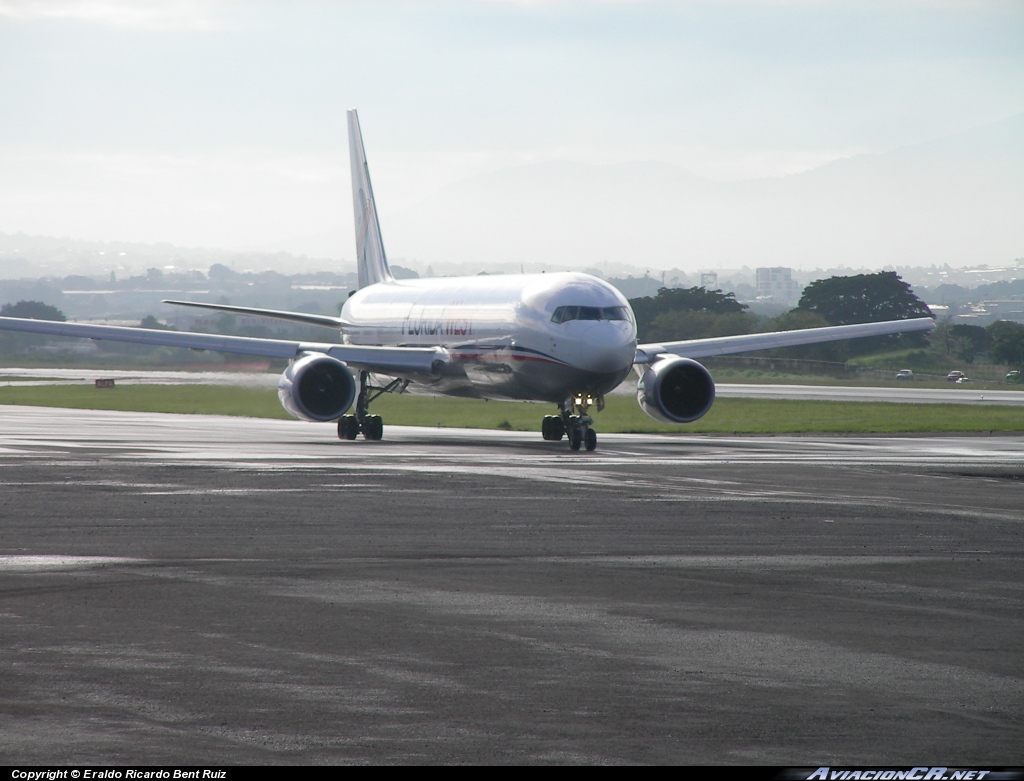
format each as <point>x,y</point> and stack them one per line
<point>370,259</point>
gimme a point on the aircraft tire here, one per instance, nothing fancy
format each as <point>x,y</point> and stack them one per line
<point>373,427</point>
<point>545,428</point>
<point>348,427</point>
<point>557,428</point>
<point>575,439</point>
<point>590,439</point>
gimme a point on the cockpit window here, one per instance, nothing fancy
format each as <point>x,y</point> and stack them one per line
<point>564,314</point>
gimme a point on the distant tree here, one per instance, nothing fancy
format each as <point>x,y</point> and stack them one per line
<point>400,272</point>
<point>797,319</point>
<point>78,282</point>
<point>968,341</point>
<point>1007,288</point>
<point>864,298</point>
<point>698,299</point>
<point>672,314</point>
<point>32,310</point>
<point>951,295</point>
<point>867,298</point>
<point>635,287</point>
<point>221,273</point>
<point>941,334</point>
<point>151,322</point>
<point>684,324</point>
<point>1006,342</point>
<point>16,342</point>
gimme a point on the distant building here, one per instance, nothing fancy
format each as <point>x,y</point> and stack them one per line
<point>988,311</point>
<point>709,280</point>
<point>777,284</point>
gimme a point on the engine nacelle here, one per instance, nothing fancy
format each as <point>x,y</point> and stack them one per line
<point>316,388</point>
<point>675,390</point>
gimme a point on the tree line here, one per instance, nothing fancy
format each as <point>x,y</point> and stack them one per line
<point>693,313</point>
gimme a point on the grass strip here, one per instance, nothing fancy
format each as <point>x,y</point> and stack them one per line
<point>189,399</point>
<point>746,416</point>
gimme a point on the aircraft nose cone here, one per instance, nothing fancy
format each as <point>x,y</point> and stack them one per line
<point>610,348</point>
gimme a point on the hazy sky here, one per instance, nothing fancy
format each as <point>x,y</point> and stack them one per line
<point>223,123</point>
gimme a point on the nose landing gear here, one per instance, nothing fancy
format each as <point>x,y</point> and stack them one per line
<point>576,426</point>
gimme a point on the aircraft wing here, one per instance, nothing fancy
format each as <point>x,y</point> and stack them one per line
<point>295,317</point>
<point>728,345</point>
<point>384,360</point>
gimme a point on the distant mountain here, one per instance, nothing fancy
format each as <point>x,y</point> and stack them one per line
<point>956,200</point>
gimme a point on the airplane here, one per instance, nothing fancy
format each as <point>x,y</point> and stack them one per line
<point>563,338</point>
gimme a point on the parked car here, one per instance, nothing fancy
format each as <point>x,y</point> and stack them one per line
<point>904,374</point>
<point>954,376</point>
<point>1015,376</point>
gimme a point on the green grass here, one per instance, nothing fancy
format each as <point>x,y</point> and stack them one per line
<point>5,378</point>
<point>190,399</point>
<point>748,416</point>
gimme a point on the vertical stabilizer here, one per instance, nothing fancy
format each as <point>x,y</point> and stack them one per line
<point>370,259</point>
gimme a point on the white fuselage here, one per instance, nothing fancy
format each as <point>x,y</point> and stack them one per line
<point>500,333</point>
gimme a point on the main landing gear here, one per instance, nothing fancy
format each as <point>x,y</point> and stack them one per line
<point>370,426</point>
<point>576,426</point>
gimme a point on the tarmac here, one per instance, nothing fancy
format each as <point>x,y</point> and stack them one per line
<point>206,590</point>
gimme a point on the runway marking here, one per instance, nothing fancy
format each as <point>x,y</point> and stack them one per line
<point>29,563</point>
<point>247,491</point>
<point>738,562</point>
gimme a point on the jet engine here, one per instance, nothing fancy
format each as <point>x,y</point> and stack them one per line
<point>675,390</point>
<point>316,388</point>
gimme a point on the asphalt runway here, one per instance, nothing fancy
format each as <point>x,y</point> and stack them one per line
<point>193,589</point>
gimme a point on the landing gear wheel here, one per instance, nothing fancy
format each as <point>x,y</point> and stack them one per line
<point>575,439</point>
<point>575,420</point>
<point>373,427</point>
<point>557,428</point>
<point>552,428</point>
<point>348,427</point>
